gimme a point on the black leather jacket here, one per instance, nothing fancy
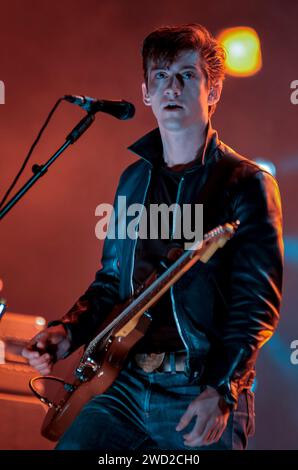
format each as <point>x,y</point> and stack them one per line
<point>225,310</point>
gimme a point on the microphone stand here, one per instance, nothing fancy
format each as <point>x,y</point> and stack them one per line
<point>40,170</point>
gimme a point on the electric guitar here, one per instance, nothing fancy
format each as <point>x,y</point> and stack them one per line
<point>126,324</point>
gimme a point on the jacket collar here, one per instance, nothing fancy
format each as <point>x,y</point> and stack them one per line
<point>149,147</point>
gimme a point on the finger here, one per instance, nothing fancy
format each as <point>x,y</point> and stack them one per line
<point>210,437</point>
<point>214,436</point>
<point>213,431</point>
<point>29,354</point>
<point>43,365</point>
<point>197,430</point>
<point>41,360</point>
<point>39,341</point>
<point>45,370</point>
<point>185,419</point>
<point>220,432</point>
<point>36,362</point>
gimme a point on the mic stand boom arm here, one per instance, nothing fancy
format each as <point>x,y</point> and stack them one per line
<point>40,170</point>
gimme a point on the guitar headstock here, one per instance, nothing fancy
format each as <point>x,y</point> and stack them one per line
<point>222,233</point>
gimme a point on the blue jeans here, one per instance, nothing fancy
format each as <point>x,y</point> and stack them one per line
<point>140,411</point>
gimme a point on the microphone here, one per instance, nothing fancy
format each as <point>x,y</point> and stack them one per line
<point>120,109</point>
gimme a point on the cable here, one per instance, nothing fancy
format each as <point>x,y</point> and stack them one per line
<point>30,152</point>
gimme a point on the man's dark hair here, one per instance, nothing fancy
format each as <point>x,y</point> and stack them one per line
<point>163,45</point>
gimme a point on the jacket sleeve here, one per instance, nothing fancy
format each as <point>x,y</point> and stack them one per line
<point>255,282</point>
<point>88,313</point>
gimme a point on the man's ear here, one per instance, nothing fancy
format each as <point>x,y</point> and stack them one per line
<point>214,92</point>
<point>146,98</point>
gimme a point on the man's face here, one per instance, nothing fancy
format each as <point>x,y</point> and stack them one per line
<point>183,86</point>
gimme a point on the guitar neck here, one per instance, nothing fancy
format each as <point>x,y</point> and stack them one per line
<point>202,251</point>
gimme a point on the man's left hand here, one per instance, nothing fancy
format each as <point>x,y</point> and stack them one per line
<point>212,414</point>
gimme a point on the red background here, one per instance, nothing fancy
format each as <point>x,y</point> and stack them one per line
<point>48,249</point>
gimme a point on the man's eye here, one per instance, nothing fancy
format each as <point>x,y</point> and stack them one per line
<point>160,75</point>
<point>188,75</point>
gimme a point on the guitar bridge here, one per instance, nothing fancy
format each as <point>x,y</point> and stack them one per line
<point>86,369</point>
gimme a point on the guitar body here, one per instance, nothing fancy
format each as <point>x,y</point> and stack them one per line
<point>108,367</point>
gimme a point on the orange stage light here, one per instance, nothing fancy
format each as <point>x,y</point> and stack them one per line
<point>243,50</point>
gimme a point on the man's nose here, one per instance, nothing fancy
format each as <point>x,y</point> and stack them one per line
<point>174,86</point>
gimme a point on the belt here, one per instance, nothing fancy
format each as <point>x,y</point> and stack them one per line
<point>162,362</point>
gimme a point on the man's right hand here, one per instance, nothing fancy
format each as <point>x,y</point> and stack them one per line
<point>46,348</point>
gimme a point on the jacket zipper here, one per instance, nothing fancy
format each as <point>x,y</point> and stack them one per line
<point>135,242</point>
<point>172,288</point>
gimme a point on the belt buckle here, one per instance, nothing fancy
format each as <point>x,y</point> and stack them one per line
<point>149,362</point>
